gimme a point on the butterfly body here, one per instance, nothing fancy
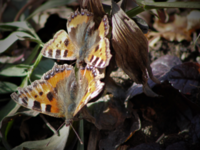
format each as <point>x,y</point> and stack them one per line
<point>60,93</point>
<point>82,42</point>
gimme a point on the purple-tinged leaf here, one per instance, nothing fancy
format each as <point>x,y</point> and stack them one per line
<point>184,77</point>
<point>159,68</point>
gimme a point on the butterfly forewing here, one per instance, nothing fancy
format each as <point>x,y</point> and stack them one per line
<point>60,47</point>
<point>90,84</point>
<point>39,96</point>
<point>57,73</point>
<point>78,18</point>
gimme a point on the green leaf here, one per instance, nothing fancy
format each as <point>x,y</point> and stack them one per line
<point>10,108</point>
<point>44,66</point>
<point>13,25</point>
<point>6,99</point>
<point>55,142</point>
<point>133,12</point>
<point>24,82</point>
<point>10,60</point>
<point>38,41</point>
<point>143,5</point>
<point>10,116</point>
<point>159,5</point>
<point>32,55</point>
<point>81,134</point>
<point>37,61</point>
<point>15,70</point>
<point>8,127</point>
<point>7,87</point>
<point>51,4</point>
<point>8,41</point>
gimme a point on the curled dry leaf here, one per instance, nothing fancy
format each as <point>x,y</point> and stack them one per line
<point>93,138</point>
<point>182,76</point>
<point>116,125</point>
<point>94,6</point>
<point>193,20</point>
<point>131,49</point>
<point>109,113</point>
<point>121,134</point>
<point>179,29</point>
<point>84,113</point>
<point>113,88</point>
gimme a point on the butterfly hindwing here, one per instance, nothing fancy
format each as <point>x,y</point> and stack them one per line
<point>39,96</point>
<point>89,81</point>
<point>104,27</point>
<point>60,47</point>
<point>99,54</point>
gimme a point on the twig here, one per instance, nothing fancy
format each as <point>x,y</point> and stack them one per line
<point>23,9</point>
<point>160,138</point>
<point>3,8</point>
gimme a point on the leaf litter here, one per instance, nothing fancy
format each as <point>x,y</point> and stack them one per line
<point>168,121</point>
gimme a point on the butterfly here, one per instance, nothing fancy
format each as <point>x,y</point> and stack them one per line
<point>60,92</point>
<point>82,42</point>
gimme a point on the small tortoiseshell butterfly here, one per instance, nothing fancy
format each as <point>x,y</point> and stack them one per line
<point>60,93</point>
<point>82,42</point>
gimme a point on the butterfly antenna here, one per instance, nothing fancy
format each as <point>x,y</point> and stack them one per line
<point>73,63</point>
<point>56,132</point>
<point>76,134</point>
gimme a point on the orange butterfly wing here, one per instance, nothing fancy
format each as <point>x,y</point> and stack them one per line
<point>41,94</point>
<point>78,18</point>
<point>60,47</point>
<point>104,27</point>
<point>67,47</point>
<point>99,55</point>
<point>57,73</point>
<point>90,83</point>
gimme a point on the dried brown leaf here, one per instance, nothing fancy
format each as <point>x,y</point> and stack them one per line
<point>179,29</point>
<point>193,20</point>
<point>93,138</point>
<point>131,49</point>
<point>110,114</point>
<point>121,134</point>
<point>94,6</point>
<point>113,88</point>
